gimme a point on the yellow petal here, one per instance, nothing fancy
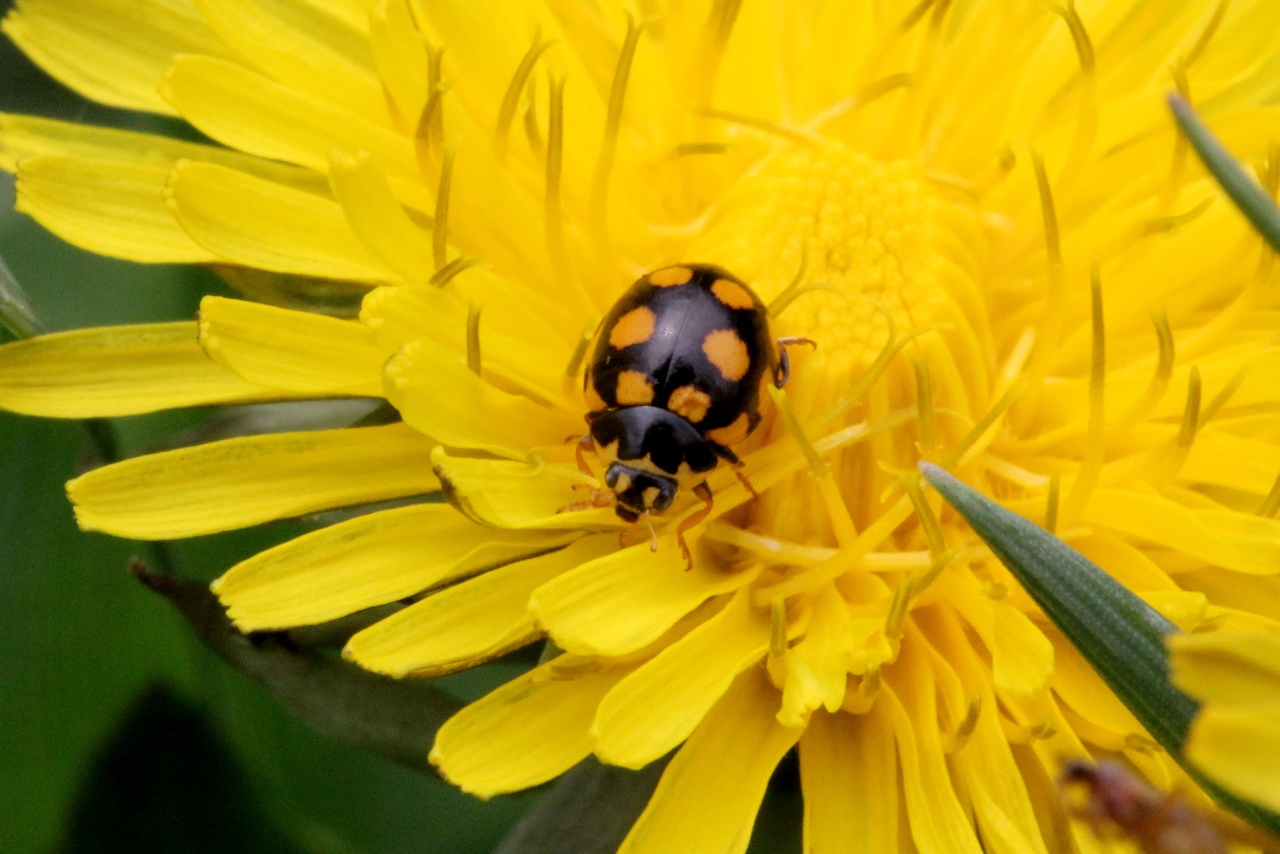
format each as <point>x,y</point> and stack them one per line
<point>1215,458</point>
<point>400,55</point>
<point>510,494</point>
<point>723,769</point>
<point>248,111</point>
<point>1227,667</point>
<point>304,47</point>
<point>987,771</point>
<point>114,209</point>
<point>655,708</point>
<point>623,601</point>
<point>436,392</point>
<point>117,370</point>
<point>247,220</point>
<point>938,822</point>
<point>110,51</point>
<point>240,482</point>
<point>376,217</point>
<point>366,561</point>
<point>817,667</point>
<point>849,775</point>
<point>1022,656</point>
<point>1084,692</point>
<point>520,347</point>
<point>468,623</point>
<point>295,351</point>
<point>25,137</point>
<point>1238,747</point>
<point>1224,538</point>
<point>526,732</point>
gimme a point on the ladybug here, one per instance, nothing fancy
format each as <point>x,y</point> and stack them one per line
<point>676,377</point>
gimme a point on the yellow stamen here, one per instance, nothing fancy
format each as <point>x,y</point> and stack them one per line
<point>1224,395</point>
<point>555,154</point>
<point>609,144</point>
<point>511,98</point>
<point>897,616</point>
<point>685,149</point>
<point>961,453</point>
<point>1095,439</point>
<point>446,273</point>
<point>817,466</point>
<point>1051,324</point>
<point>428,137</point>
<point>837,510</point>
<point>774,128</point>
<point>1160,225</point>
<point>580,352</point>
<point>440,226</point>
<point>531,130</point>
<point>1271,503</point>
<point>1190,413</point>
<point>473,337</point>
<point>1159,381</point>
<point>865,95</point>
<point>957,740</point>
<point>873,374</point>
<point>778,628</point>
<point>715,35</point>
<point>924,406</point>
<point>1051,503</point>
<point>844,560</point>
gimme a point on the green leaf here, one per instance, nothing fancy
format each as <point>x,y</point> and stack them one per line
<point>397,719</point>
<point>1121,636</point>
<point>1251,199</point>
<point>165,782</point>
<point>16,312</point>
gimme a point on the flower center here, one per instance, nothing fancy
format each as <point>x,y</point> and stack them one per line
<point>862,229</point>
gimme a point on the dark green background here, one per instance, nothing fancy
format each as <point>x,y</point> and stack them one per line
<point>118,730</point>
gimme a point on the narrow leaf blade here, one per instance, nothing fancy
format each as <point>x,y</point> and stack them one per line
<point>1252,201</point>
<point>1121,636</point>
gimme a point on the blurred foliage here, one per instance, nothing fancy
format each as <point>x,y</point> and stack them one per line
<point>122,731</point>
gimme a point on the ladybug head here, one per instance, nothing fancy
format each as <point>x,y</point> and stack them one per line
<point>639,491</point>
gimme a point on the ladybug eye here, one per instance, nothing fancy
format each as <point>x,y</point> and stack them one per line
<point>611,477</point>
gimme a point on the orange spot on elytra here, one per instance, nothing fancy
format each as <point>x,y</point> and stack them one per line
<point>728,353</point>
<point>634,327</point>
<point>670,276</point>
<point>595,403</point>
<point>690,403</point>
<point>732,433</point>
<point>732,294</point>
<point>634,389</point>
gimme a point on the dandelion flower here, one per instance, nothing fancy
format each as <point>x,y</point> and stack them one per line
<point>981,213</point>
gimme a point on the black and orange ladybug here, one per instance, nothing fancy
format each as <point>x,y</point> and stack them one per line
<point>676,377</point>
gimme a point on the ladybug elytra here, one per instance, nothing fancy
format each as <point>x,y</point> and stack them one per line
<point>676,377</point>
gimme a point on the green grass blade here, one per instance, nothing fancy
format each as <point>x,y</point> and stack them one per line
<point>1121,636</point>
<point>1250,198</point>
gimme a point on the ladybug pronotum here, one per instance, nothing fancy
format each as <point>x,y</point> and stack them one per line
<point>676,377</point>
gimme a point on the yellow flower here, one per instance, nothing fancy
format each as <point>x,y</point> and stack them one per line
<point>948,197</point>
<point>1235,738</point>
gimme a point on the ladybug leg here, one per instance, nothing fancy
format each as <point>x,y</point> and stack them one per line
<point>580,452</point>
<point>742,479</point>
<point>704,492</point>
<point>784,361</point>
<point>733,460</point>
